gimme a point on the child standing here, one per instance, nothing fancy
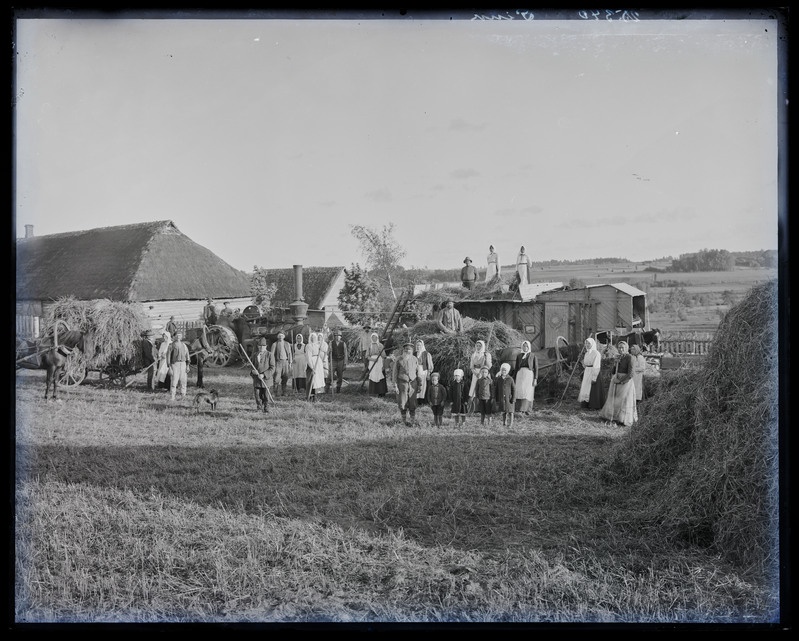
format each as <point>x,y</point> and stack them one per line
<point>458,395</point>
<point>436,397</point>
<point>505,394</point>
<point>484,393</point>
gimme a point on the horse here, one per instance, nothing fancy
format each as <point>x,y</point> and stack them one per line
<point>54,359</point>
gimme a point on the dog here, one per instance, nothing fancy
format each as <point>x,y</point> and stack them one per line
<point>209,397</point>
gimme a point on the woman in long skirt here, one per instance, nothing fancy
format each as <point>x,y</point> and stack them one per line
<point>314,369</point>
<point>162,369</point>
<point>526,378</point>
<point>425,369</point>
<point>377,378</point>
<point>480,359</point>
<point>620,405</point>
<point>299,363</point>
<point>592,392</point>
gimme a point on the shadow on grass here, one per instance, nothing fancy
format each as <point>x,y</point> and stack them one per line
<point>487,492</point>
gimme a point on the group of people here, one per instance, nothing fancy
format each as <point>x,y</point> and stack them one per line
<point>310,368</point>
<point>619,404</point>
<point>523,267</point>
<point>171,362</point>
<point>212,314</point>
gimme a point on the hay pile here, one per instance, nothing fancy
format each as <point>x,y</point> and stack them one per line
<point>451,351</point>
<point>708,442</point>
<point>112,328</point>
<point>496,288</point>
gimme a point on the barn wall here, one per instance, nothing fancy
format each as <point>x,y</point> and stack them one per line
<point>527,316</point>
<point>159,311</point>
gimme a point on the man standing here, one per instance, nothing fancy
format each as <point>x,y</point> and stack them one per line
<point>406,382</point>
<point>150,359</point>
<point>172,326</point>
<point>468,274</point>
<point>281,351</point>
<point>177,359</point>
<point>262,376</point>
<point>226,312</point>
<point>451,319</point>
<point>200,354</point>
<point>338,359</point>
<point>209,312</point>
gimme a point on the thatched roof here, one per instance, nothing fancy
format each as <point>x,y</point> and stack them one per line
<point>316,285</point>
<point>140,262</point>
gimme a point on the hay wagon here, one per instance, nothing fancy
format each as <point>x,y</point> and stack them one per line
<point>29,350</point>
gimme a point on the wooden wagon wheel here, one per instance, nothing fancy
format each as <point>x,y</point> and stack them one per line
<point>74,369</point>
<point>116,375</point>
<point>223,345</point>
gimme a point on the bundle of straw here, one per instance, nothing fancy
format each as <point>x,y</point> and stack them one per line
<point>709,439</point>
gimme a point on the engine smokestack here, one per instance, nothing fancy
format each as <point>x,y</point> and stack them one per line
<point>28,231</point>
<point>299,308</point>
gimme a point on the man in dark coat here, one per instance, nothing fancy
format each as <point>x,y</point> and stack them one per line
<point>262,375</point>
<point>281,351</point>
<point>468,274</point>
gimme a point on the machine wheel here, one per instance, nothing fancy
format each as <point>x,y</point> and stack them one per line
<point>223,345</point>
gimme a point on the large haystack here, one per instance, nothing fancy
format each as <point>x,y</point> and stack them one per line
<point>710,440</point>
<point>113,329</point>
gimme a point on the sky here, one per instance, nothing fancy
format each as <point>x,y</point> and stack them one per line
<point>265,140</point>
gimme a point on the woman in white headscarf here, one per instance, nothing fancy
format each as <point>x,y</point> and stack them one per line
<point>639,367</point>
<point>592,392</point>
<point>298,363</point>
<point>374,357</point>
<point>425,369</point>
<point>324,348</point>
<point>523,265</point>
<point>526,378</point>
<point>492,269</point>
<point>315,368</point>
<point>162,368</point>
<point>480,358</point>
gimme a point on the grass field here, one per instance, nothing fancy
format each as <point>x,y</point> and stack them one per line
<point>134,508</point>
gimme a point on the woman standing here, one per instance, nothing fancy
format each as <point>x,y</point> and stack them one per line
<point>639,367</point>
<point>492,270</point>
<point>299,363</point>
<point>480,359</point>
<point>522,266</point>
<point>315,368</point>
<point>162,368</point>
<point>592,393</point>
<point>526,378</point>
<point>377,378</point>
<point>425,369</point>
<point>620,404</point>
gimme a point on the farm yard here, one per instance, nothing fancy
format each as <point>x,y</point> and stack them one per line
<point>131,507</point>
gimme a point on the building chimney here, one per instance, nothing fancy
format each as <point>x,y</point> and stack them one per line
<point>28,231</point>
<point>299,308</point>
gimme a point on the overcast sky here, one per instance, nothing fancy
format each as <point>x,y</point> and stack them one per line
<point>265,140</point>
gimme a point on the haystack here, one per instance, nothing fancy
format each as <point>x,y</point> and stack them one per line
<point>708,442</point>
<point>498,288</point>
<point>113,329</point>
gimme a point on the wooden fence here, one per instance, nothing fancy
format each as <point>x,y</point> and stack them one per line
<point>699,347</point>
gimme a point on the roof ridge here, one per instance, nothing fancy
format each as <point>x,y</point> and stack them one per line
<point>152,223</point>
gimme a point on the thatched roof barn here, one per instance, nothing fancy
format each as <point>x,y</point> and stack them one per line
<point>151,263</point>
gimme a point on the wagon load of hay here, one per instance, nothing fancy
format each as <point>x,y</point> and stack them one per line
<point>708,442</point>
<point>113,329</point>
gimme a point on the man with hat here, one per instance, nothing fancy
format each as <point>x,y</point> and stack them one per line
<point>451,320</point>
<point>468,274</point>
<point>406,382</point>
<point>177,360</point>
<point>263,374</point>
<point>281,351</point>
<point>338,359</point>
<point>209,312</point>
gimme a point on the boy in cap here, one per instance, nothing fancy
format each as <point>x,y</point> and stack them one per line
<point>458,395</point>
<point>505,394</point>
<point>338,359</point>
<point>484,393</point>
<point>262,375</point>
<point>436,397</point>
<point>281,351</point>
<point>406,382</point>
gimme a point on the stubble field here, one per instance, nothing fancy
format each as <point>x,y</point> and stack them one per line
<point>134,508</point>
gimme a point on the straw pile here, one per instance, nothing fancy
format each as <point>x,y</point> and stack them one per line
<point>451,351</point>
<point>709,441</point>
<point>498,288</point>
<point>112,328</point>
